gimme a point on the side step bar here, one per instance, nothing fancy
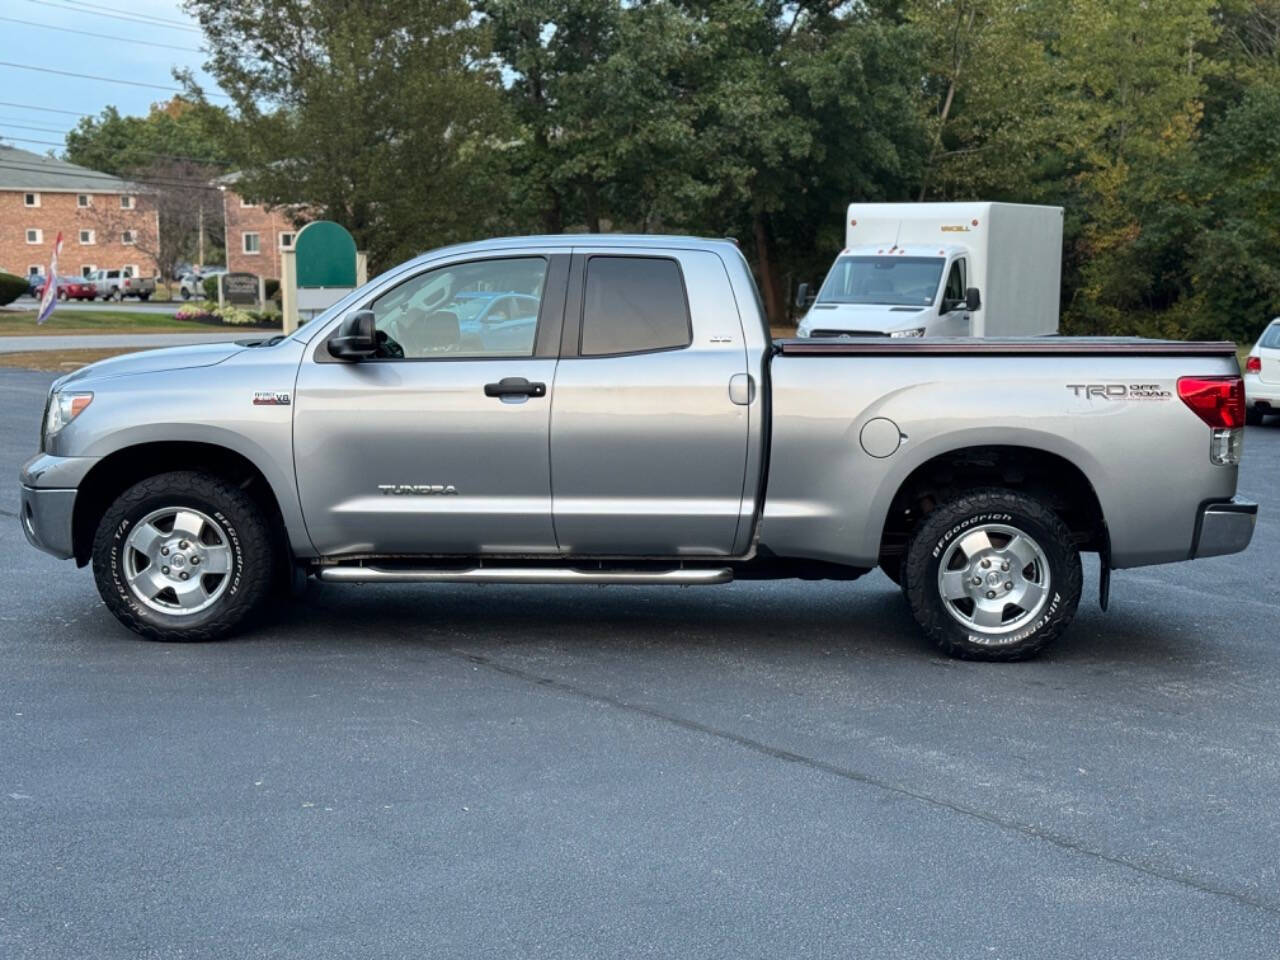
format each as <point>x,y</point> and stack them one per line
<point>677,577</point>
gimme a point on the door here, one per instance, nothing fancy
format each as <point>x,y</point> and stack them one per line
<point>956,321</point>
<point>648,448</point>
<point>439,444</point>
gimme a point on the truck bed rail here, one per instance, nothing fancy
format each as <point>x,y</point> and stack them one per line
<point>1024,347</point>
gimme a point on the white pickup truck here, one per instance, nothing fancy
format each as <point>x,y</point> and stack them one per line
<point>611,410</point>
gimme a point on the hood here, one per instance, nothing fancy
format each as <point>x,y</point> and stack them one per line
<point>155,361</point>
<point>864,317</point>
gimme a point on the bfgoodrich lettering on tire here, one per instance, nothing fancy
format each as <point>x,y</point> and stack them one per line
<point>992,575</point>
<point>183,556</point>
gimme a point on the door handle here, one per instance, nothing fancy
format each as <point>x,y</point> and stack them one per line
<point>515,387</point>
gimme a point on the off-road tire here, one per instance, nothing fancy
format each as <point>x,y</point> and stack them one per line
<point>951,519</point>
<point>248,536</point>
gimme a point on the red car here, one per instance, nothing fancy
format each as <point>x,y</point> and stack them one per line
<point>70,288</point>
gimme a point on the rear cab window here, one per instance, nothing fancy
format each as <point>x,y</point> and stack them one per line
<point>634,305</point>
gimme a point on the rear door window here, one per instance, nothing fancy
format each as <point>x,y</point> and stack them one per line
<point>634,305</point>
<point>1271,338</point>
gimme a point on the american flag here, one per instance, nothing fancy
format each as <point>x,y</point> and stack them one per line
<point>50,298</point>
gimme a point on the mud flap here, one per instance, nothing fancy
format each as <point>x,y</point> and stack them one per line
<point>1104,581</point>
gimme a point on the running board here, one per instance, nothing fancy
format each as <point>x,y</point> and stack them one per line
<point>677,577</point>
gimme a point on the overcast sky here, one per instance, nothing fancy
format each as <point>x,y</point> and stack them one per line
<point>38,33</point>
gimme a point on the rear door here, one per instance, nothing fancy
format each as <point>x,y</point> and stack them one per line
<point>648,447</point>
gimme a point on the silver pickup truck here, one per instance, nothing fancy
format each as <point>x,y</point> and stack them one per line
<point>120,283</point>
<point>611,410</point>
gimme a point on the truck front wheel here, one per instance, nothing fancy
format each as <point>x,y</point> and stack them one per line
<point>183,556</point>
<point>992,574</point>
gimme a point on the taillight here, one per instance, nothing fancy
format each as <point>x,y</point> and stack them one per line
<point>1218,401</point>
<point>1253,365</point>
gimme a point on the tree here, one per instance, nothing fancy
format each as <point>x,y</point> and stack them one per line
<point>180,130</point>
<point>172,155</point>
<point>384,118</point>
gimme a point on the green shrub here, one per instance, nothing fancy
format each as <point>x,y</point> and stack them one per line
<point>11,288</point>
<point>210,285</point>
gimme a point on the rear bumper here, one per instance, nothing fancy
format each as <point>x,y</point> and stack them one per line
<point>1259,394</point>
<point>45,516</point>
<point>1223,528</point>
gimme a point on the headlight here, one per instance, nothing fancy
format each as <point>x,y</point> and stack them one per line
<point>63,408</point>
<point>913,332</point>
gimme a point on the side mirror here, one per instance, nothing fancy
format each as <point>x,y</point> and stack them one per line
<point>972,299</point>
<point>357,337</point>
<point>802,296</point>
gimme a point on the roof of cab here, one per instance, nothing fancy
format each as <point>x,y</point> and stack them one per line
<point>568,240</point>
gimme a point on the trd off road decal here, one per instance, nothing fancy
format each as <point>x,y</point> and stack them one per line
<point>1120,391</point>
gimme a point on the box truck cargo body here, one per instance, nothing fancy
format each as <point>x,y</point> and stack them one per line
<point>942,269</point>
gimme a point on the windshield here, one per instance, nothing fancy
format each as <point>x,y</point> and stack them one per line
<point>899,281</point>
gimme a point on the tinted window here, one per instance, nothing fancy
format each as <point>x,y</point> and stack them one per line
<point>487,308</point>
<point>633,304</point>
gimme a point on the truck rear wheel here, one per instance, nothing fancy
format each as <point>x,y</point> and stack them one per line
<point>183,556</point>
<point>992,574</point>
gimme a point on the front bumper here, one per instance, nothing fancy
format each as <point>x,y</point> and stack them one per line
<point>45,516</point>
<point>1223,528</point>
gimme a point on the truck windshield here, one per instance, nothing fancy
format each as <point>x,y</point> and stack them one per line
<point>898,281</point>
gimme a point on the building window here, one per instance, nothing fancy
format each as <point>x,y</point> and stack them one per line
<point>86,237</point>
<point>82,200</point>
<point>126,202</point>
<point>128,238</point>
<point>252,243</point>
<point>34,270</point>
<point>245,204</point>
<point>31,199</point>
<point>131,270</point>
<point>87,269</point>
<point>286,241</point>
<point>35,235</point>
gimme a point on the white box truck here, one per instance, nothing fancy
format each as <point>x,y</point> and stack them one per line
<point>941,270</point>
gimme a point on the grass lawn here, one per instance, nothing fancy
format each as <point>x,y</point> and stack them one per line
<point>58,361</point>
<point>23,324</point>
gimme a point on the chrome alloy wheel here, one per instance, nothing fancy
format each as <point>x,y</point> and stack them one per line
<point>177,561</point>
<point>994,580</point>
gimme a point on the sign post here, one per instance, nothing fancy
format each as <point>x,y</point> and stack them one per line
<point>288,291</point>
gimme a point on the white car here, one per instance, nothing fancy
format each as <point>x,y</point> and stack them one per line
<point>1262,376</point>
<point>192,284</point>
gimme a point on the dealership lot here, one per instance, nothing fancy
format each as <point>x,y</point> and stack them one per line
<point>759,770</point>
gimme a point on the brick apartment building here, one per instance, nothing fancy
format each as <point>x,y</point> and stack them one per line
<point>105,223</point>
<point>256,233</point>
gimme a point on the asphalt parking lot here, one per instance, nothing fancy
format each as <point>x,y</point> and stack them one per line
<point>758,770</point>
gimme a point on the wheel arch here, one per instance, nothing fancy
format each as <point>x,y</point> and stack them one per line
<point>119,470</point>
<point>1034,470</point>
